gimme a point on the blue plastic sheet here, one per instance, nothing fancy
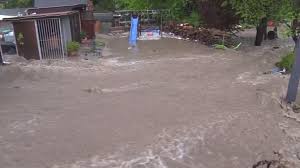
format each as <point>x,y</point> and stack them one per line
<point>133,31</point>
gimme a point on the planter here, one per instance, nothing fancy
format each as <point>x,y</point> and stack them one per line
<point>73,54</point>
<point>84,40</point>
<point>73,48</point>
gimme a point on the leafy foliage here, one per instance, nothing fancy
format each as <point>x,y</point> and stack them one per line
<point>177,7</point>
<point>18,4</point>
<point>194,19</point>
<point>217,15</point>
<point>258,12</point>
<point>104,5</point>
<point>149,4</point>
<point>252,11</point>
<point>73,46</point>
<point>287,62</point>
<point>83,35</point>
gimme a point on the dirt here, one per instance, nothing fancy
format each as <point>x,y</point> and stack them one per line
<point>165,104</point>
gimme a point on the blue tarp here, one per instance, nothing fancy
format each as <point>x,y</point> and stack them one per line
<point>133,31</point>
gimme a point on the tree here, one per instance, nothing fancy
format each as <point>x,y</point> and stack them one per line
<point>150,4</point>
<point>104,5</point>
<point>194,11</point>
<point>295,16</point>
<point>217,15</point>
<point>178,8</point>
<point>258,12</point>
<point>18,4</point>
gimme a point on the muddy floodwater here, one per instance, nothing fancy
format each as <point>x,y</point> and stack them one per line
<point>165,104</point>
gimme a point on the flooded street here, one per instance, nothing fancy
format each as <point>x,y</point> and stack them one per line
<point>166,104</point>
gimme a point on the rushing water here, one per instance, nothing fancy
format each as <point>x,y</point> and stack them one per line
<point>184,147</point>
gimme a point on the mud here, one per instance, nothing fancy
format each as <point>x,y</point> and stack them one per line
<point>167,104</point>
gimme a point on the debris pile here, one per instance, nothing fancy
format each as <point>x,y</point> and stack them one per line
<point>203,35</point>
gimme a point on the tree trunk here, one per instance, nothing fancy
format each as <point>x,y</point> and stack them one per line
<point>295,39</point>
<point>265,31</point>
<point>261,32</point>
<point>259,36</point>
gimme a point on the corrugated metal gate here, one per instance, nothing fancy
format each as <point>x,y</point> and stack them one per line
<point>50,38</point>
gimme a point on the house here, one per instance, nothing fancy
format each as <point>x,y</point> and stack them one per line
<point>84,7</point>
<point>45,35</point>
<point>44,31</point>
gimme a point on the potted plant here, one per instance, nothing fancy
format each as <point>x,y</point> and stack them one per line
<point>83,37</point>
<point>73,48</point>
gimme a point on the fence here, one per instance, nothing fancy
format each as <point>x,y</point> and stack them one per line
<point>148,18</point>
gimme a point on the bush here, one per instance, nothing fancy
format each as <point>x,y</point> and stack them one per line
<point>194,19</point>
<point>217,15</point>
<point>73,46</point>
<point>287,62</point>
<point>82,35</point>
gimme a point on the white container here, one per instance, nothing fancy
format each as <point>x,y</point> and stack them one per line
<point>150,34</point>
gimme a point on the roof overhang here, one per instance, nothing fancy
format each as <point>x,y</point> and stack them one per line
<point>40,16</point>
<point>2,17</point>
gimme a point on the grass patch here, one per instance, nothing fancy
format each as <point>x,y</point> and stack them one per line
<point>287,62</point>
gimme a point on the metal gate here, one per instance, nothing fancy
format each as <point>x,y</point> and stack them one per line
<point>50,38</point>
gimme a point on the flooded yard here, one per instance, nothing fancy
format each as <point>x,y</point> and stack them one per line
<point>166,104</point>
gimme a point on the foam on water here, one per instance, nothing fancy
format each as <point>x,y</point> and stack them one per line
<point>253,79</point>
<point>170,145</point>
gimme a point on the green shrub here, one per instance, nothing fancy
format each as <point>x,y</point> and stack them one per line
<point>100,43</point>
<point>247,26</point>
<point>287,62</point>
<point>194,19</point>
<point>73,46</point>
<point>82,35</point>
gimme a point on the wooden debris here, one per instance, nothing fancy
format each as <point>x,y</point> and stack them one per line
<point>203,35</point>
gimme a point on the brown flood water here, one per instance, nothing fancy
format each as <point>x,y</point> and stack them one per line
<point>167,104</point>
